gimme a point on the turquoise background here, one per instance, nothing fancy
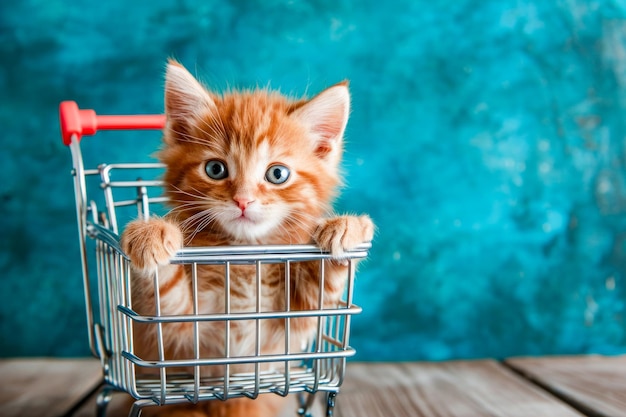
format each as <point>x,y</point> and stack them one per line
<point>487,140</point>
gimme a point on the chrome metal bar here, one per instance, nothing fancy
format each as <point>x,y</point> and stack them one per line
<point>125,203</point>
<point>136,165</point>
<point>257,341</point>
<point>182,318</point>
<point>160,344</point>
<point>134,184</point>
<point>102,291</point>
<point>227,328</point>
<point>196,332</point>
<point>268,249</point>
<point>239,360</point>
<point>221,254</point>
<point>108,197</point>
<point>321,367</point>
<point>137,406</point>
<point>127,323</point>
<point>99,232</point>
<point>330,404</point>
<point>349,298</point>
<point>287,264</point>
<point>321,321</point>
<point>80,193</point>
<point>244,258</point>
<point>111,300</point>
<point>143,204</point>
<point>103,399</point>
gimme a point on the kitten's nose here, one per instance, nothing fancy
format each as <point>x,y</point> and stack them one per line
<point>242,202</point>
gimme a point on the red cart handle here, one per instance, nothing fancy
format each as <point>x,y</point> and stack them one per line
<point>78,122</point>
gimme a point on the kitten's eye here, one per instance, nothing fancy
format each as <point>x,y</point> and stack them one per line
<point>216,170</point>
<point>277,174</point>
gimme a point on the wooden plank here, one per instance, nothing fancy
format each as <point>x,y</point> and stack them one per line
<point>45,387</point>
<point>53,387</point>
<point>445,389</point>
<point>594,384</point>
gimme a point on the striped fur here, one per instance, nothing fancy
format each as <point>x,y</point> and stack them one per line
<point>248,132</point>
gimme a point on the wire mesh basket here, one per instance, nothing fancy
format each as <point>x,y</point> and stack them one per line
<point>109,195</point>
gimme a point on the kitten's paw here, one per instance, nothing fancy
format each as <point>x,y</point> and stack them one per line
<point>150,243</point>
<point>340,234</point>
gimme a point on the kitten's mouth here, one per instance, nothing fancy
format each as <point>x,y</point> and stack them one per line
<point>247,229</point>
<point>250,226</point>
<point>245,219</point>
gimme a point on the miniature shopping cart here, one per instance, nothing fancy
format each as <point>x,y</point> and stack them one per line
<point>107,196</point>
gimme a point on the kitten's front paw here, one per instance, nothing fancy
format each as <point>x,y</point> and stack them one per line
<point>150,243</point>
<point>340,234</point>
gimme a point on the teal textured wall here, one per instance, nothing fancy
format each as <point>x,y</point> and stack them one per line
<point>487,140</point>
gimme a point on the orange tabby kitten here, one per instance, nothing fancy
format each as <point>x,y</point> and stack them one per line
<point>243,168</point>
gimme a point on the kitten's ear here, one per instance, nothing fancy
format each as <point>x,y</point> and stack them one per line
<point>326,116</point>
<point>185,97</point>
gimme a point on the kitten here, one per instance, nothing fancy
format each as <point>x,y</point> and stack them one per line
<point>243,168</point>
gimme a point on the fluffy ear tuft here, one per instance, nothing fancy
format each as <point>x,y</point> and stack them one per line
<point>326,116</point>
<point>185,97</point>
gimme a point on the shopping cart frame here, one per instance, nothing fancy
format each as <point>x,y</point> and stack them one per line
<point>111,321</point>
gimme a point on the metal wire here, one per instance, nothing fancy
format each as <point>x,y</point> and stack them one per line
<point>112,326</point>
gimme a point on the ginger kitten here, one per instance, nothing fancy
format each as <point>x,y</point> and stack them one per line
<point>243,168</point>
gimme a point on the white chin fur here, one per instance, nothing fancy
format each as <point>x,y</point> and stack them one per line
<point>247,230</point>
<point>253,227</point>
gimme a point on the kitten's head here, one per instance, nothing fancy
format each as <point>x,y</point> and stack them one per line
<point>254,166</point>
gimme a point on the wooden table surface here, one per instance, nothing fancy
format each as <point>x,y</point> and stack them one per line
<point>534,387</point>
